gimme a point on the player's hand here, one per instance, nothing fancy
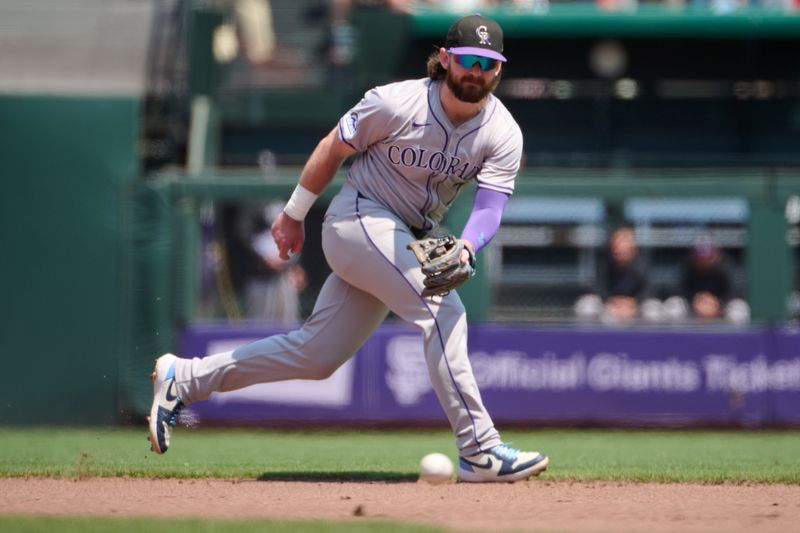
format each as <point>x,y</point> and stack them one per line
<point>466,256</point>
<point>289,235</point>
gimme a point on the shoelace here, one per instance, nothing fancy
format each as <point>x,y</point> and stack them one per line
<point>505,452</point>
<point>175,413</point>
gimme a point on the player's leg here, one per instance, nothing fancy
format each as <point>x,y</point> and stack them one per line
<point>343,317</point>
<point>374,257</point>
<point>366,245</point>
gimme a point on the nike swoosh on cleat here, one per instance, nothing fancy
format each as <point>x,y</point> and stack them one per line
<point>170,395</point>
<point>488,466</point>
<point>509,468</point>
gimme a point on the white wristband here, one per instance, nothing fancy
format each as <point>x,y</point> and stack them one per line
<point>300,202</point>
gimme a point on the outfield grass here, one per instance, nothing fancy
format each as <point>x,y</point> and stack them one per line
<point>638,455</point>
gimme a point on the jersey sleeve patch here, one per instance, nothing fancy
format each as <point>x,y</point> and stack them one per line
<point>350,125</point>
<point>368,121</point>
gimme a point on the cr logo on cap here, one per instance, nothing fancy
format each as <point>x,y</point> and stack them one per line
<point>483,34</point>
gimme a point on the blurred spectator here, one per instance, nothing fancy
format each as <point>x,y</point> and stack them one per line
<point>257,29</point>
<point>267,285</point>
<point>340,46</point>
<point>622,294</point>
<point>250,29</point>
<point>708,291</point>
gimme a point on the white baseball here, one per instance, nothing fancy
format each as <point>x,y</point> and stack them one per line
<point>435,468</point>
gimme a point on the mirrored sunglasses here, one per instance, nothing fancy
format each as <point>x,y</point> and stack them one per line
<point>468,60</point>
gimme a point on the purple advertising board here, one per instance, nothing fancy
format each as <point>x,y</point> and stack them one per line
<point>563,375</point>
<point>782,375</point>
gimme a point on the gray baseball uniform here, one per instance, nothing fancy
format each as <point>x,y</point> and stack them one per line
<point>412,162</point>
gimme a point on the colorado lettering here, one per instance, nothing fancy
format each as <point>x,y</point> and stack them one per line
<point>448,165</point>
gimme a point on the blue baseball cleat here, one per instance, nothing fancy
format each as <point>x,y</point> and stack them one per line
<point>502,464</point>
<point>166,404</point>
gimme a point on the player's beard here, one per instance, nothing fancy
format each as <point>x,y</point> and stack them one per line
<point>472,92</point>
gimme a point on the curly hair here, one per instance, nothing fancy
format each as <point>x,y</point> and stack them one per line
<point>435,69</point>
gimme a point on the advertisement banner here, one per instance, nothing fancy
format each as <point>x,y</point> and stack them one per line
<point>782,376</point>
<point>557,376</point>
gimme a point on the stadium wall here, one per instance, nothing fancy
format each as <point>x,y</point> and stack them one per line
<point>66,164</point>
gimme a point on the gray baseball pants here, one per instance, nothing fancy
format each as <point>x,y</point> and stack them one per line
<point>373,272</point>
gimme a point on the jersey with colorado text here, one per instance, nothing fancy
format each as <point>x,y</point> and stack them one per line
<point>414,161</point>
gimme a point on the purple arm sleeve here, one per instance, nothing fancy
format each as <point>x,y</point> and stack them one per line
<point>484,221</point>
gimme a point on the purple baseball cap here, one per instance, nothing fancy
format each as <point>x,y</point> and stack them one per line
<point>475,35</point>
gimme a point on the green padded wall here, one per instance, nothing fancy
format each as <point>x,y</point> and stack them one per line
<point>64,163</point>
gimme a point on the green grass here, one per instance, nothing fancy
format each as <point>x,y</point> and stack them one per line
<point>655,456</point>
<point>26,524</point>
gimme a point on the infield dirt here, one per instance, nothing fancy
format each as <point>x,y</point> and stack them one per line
<point>537,505</point>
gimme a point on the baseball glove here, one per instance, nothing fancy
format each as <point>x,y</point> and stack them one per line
<point>440,258</point>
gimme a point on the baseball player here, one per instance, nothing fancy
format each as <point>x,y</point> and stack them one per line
<point>417,143</point>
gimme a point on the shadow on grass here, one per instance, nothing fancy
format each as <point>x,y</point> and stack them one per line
<point>386,477</point>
